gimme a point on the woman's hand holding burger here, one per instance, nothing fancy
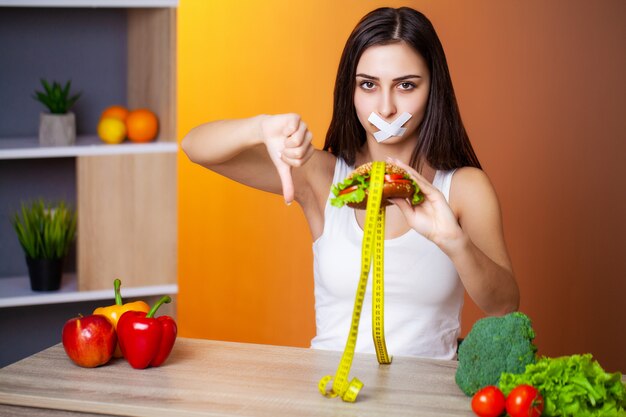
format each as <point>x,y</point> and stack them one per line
<point>288,142</point>
<point>433,218</point>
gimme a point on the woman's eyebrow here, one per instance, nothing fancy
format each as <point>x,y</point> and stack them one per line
<point>404,77</point>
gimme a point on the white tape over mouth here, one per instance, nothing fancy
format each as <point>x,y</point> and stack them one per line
<point>388,130</point>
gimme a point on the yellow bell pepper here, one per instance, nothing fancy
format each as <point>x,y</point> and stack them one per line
<point>114,312</point>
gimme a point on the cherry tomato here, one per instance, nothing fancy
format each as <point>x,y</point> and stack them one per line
<point>524,401</point>
<point>488,402</point>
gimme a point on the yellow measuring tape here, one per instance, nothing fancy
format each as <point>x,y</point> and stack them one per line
<point>372,248</point>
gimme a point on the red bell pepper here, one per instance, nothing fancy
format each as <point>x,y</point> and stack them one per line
<point>146,340</point>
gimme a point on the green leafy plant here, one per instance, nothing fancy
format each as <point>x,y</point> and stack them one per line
<point>44,230</point>
<point>574,385</point>
<point>56,98</point>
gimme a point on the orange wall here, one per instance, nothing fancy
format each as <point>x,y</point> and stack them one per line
<point>542,93</point>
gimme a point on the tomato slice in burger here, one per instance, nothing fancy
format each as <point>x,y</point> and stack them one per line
<point>393,177</point>
<point>396,179</point>
<point>348,190</point>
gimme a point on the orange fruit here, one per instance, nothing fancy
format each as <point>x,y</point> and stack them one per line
<point>111,130</point>
<point>115,111</point>
<point>142,125</point>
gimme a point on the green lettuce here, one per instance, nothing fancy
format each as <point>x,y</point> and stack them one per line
<point>573,385</point>
<point>418,197</point>
<point>354,197</point>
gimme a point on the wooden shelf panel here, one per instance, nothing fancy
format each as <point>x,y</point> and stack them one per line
<point>16,292</point>
<point>127,220</point>
<point>151,73</point>
<point>89,145</point>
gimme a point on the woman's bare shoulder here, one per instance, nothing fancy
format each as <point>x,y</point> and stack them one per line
<point>317,174</point>
<point>468,176</point>
<point>470,189</point>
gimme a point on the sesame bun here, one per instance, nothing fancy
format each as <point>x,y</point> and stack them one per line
<point>389,169</point>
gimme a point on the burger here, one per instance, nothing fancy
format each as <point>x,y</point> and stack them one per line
<point>354,189</point>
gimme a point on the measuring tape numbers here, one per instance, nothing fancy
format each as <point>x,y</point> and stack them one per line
<point>372,249</point>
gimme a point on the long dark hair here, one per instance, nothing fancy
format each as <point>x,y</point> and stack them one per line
<point>443,141</point>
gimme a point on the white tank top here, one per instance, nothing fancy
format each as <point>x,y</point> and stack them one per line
<point>423,292</point>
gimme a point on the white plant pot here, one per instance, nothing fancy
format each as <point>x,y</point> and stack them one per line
<point>57,129</point>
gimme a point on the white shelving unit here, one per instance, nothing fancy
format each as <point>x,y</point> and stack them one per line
<point>16,292</point>
<point>151,44</point>
<point>89,145</point>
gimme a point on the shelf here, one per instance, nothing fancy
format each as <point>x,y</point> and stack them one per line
<point>16,292</point>
<point>87,3</point>
<point>125,194</point>
<point>89,145</point>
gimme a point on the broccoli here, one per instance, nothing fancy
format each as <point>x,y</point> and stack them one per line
<point>495,345</point>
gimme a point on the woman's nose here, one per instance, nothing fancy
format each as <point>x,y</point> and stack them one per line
<point>386,105</point>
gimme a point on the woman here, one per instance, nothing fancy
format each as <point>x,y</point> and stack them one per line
<point>393,66</point>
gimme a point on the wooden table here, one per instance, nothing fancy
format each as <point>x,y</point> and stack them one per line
<point>209,378</point>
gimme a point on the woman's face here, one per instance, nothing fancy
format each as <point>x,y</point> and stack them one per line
<point>390,80</point>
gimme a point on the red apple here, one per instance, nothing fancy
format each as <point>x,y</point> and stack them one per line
<point>89,341</point>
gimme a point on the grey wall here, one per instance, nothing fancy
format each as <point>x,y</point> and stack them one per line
<point>86,46</point>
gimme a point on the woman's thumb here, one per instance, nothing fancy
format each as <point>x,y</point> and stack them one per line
<point>284,172</point>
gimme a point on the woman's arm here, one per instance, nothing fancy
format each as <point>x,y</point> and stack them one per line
<point>481,253</point>
<point>469,231</point>
<point>253,151</point>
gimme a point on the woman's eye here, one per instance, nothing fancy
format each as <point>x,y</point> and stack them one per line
<point>367,85</point>
<point>407,86</point>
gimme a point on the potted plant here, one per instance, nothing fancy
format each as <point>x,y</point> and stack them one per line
<point>45,233</point>
<point>57,128</point>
